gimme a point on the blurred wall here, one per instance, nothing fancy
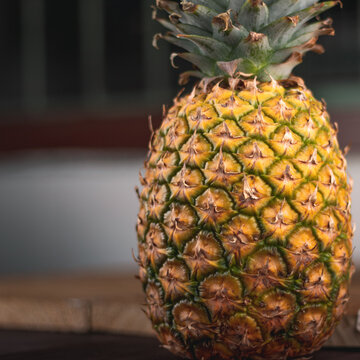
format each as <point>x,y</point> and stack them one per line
<point>68,211</point>
<point>66,82</point>
<point>73,211</point>
<point>82,54</point>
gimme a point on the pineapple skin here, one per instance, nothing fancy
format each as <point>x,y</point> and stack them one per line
<point>244,229</point>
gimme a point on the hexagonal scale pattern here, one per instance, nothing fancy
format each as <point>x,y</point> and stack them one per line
<point>244,226</point>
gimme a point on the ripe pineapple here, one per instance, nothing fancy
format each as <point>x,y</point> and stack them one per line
<point>244,226</point>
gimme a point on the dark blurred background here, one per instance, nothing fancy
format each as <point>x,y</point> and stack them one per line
<point>77,81</point>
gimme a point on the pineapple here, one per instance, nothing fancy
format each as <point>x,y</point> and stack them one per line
<point>244,229</point>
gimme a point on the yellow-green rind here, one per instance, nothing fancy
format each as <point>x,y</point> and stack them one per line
<point>244,226</point>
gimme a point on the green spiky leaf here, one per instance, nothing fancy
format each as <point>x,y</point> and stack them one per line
<point>266,38</point>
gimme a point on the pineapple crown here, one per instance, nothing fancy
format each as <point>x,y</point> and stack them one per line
<point>243,38</point>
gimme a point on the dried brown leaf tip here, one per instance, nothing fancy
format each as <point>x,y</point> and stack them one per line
<point>156,38</point>
<point>254,37</point>
<point>346,150</point>
<point>293,19</point>
<point>340,3</point>
<point>229,67</point>
<point>223,20</point>
<point>174,18</point>
<point>188,6</point>
<point>293,82</point>
<point>172,57</point>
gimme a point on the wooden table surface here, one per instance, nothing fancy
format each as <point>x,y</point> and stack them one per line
<point>52,346</point>
<point>78,311</point>
<point>100,302</point>
<point>92,302</point>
